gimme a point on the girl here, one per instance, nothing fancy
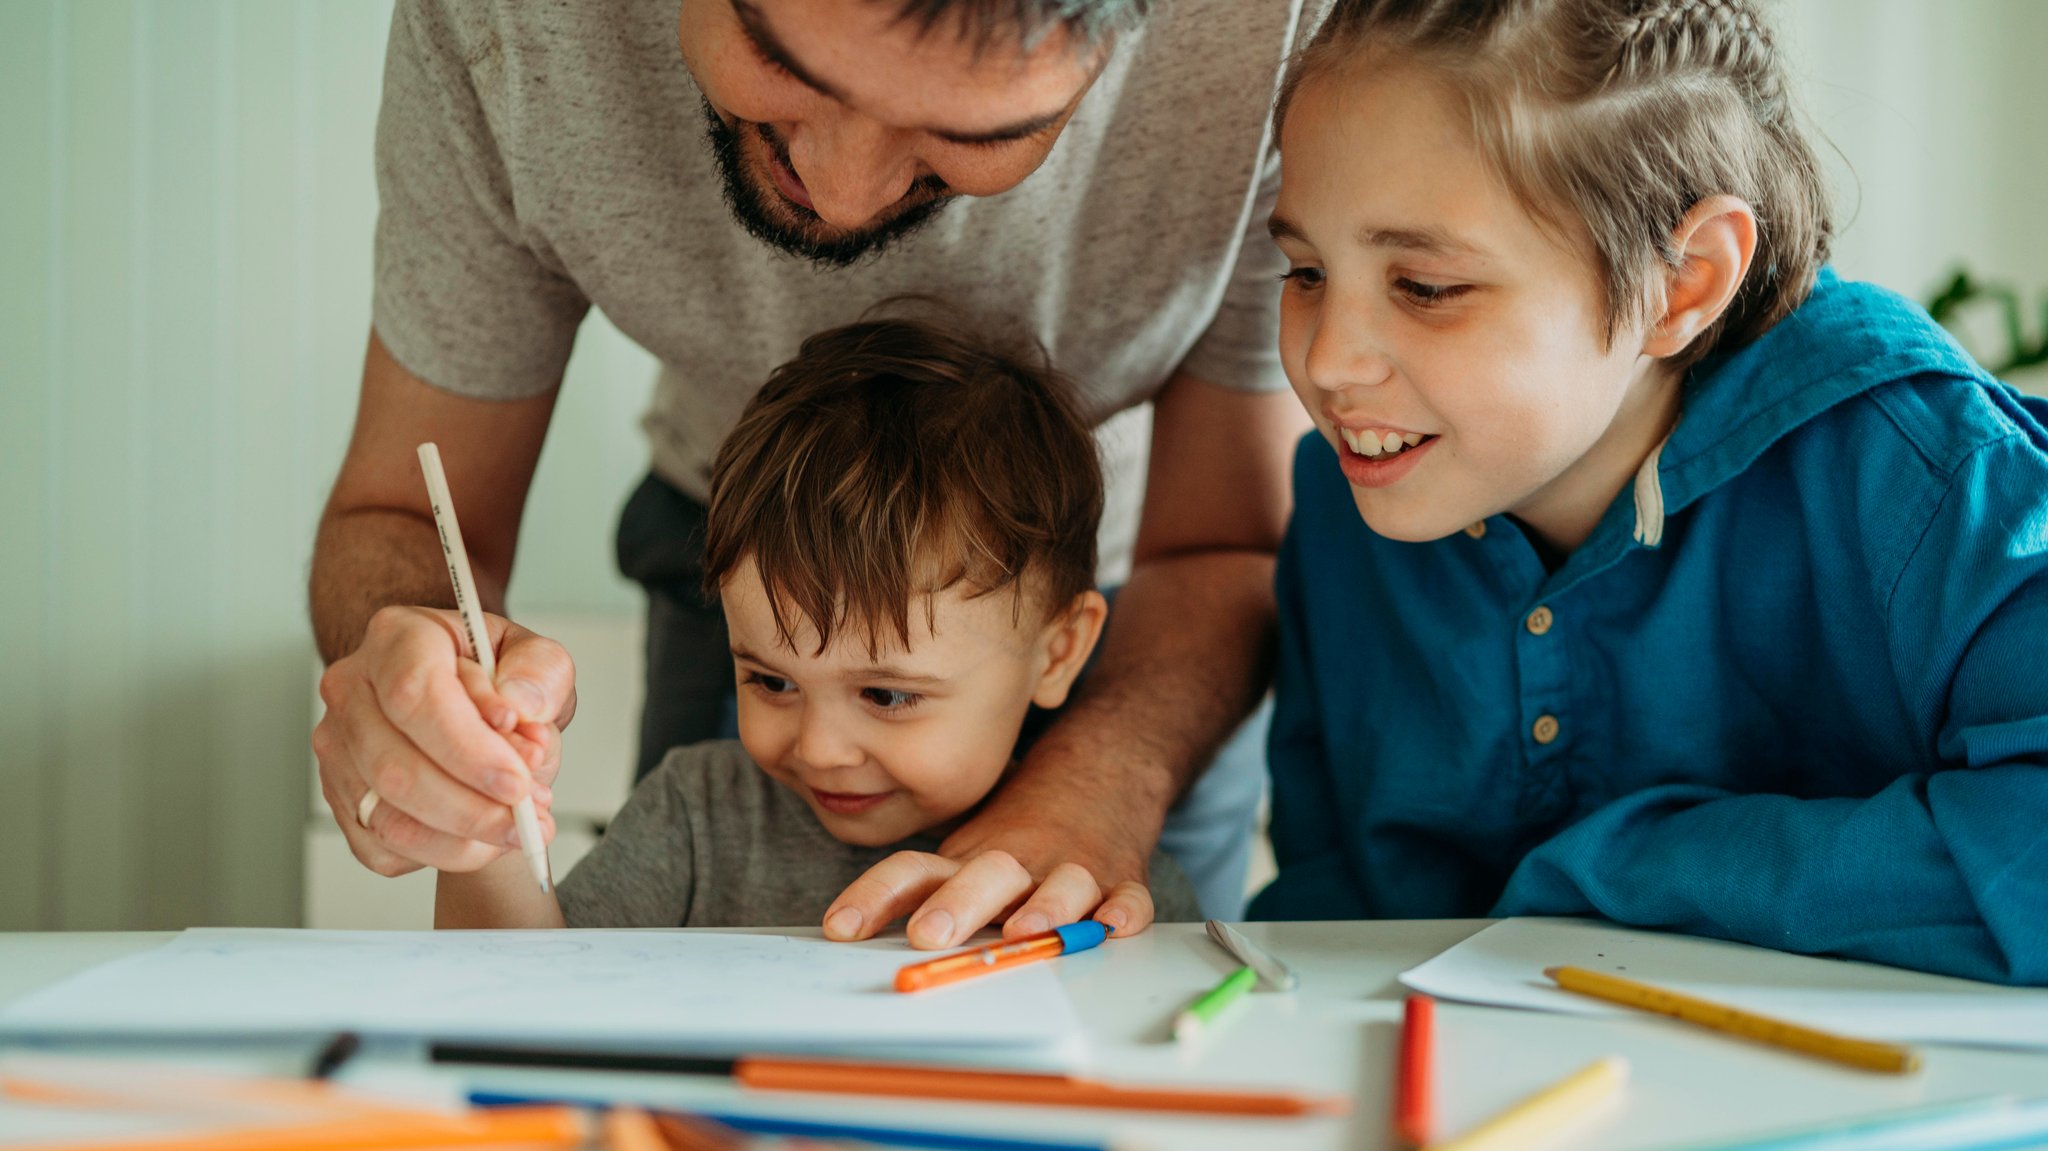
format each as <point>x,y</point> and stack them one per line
<point>1695,587</point>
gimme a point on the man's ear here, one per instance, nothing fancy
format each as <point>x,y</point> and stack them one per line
<point>1715,243</point>
<point>1069,639</point>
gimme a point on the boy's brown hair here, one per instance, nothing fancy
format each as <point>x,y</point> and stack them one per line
<point>894,458</point>
<point>1609,120</point>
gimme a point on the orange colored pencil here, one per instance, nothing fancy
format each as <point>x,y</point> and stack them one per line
<point>498,1126</point>
<point>1414,1083</point>
<point>909,1080</point>
<point>205,1094</point>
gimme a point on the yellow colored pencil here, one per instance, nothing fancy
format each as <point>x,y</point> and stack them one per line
<point>1868,1054</point>
<point>1542,1117</point>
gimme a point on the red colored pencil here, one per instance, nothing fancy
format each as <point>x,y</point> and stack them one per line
<point>1414,1103</point>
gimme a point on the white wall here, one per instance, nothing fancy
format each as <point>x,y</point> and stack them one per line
<point>186,202</point>
<point>1932,108</point>
<point>185,212</point>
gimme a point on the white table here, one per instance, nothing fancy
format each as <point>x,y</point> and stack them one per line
<point>1336,1034</point>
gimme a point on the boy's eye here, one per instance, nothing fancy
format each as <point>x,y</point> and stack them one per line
<point>888,699</point>
<point>1303,278</point>
<point>1426,293</point>
<point>772,684</point>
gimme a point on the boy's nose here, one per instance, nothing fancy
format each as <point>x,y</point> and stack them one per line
<point>853,168</point>
<point>823,744</point>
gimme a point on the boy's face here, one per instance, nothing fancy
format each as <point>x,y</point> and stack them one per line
<point>1426,304</point>
<point>882,747</point>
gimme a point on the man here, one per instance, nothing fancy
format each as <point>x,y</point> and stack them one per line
<point>1074,166</point>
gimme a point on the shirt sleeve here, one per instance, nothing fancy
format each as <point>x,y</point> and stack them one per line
<point>466,297</point>
<point>1943,870</point>
<point>640,874</point>
<point>1240,349</point>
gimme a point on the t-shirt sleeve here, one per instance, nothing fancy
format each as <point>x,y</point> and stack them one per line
<point>466,297</point>
<point>641,872</point>
<point>1240,349</point>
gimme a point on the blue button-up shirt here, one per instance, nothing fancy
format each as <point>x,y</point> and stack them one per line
<point>1793,690</point>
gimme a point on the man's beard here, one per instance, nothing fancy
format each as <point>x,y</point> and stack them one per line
<point>750,204</point>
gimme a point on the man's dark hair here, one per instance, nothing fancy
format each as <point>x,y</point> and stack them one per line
<point>895,458</point>
<point>1090,22</point>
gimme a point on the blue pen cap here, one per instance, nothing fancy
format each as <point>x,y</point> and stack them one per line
<point>1081,936</point>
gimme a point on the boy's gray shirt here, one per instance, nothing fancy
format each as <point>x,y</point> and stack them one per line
<point>537,159</point>
<point>709,840</point>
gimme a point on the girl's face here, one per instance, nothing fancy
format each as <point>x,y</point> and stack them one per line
<point>1451,350</point>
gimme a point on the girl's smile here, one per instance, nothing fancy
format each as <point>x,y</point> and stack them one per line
<point>1377,459</point>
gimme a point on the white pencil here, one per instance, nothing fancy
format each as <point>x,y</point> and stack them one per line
<point>524,817</point>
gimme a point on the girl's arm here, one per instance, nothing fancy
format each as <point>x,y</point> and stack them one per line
<point>1944,870</point>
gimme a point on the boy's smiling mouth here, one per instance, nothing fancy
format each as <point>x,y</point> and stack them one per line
<point>848,802</point>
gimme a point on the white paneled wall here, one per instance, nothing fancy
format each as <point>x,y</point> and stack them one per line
<point>186,204</point>
<point>186,201</point>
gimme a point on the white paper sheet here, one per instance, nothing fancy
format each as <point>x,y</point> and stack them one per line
<point>614,989</point>
<point>1503,966</point>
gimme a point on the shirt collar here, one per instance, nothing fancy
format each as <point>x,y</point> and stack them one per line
<point>1846,339</point>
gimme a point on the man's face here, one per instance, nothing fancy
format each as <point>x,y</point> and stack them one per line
<point>839,128</point>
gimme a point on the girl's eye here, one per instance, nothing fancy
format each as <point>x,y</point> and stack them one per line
<point>1426,294</point>
<point>1304,278</point>
<point>772,684</point>
<point>887,699</point>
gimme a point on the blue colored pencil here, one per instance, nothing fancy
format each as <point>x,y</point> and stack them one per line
<point>1988,1124</point>
<point>812,1129</point>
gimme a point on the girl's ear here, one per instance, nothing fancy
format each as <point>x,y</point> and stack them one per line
<point>1715,244</point>
<point>1067,642</point>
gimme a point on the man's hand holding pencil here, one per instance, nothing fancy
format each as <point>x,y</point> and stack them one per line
<point>412,719</point>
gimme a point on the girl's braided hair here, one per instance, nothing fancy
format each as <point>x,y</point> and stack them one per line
<point>1610,120</point>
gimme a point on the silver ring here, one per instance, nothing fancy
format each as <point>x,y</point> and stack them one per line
<point>366,805</point>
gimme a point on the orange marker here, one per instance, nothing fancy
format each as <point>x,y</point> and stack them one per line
<point>1001,956</point>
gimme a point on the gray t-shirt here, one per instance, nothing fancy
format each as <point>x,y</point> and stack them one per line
<point>708,840</point>
<point>536,159</point>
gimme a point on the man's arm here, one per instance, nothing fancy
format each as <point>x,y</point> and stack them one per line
<point>445,750</point>
<point>1187,655</point>
<point>377,544</point>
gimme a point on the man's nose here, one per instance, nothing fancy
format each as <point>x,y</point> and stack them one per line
<point>853,168</point>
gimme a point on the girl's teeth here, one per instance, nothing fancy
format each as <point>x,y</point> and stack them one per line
<point>1373,445</point>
